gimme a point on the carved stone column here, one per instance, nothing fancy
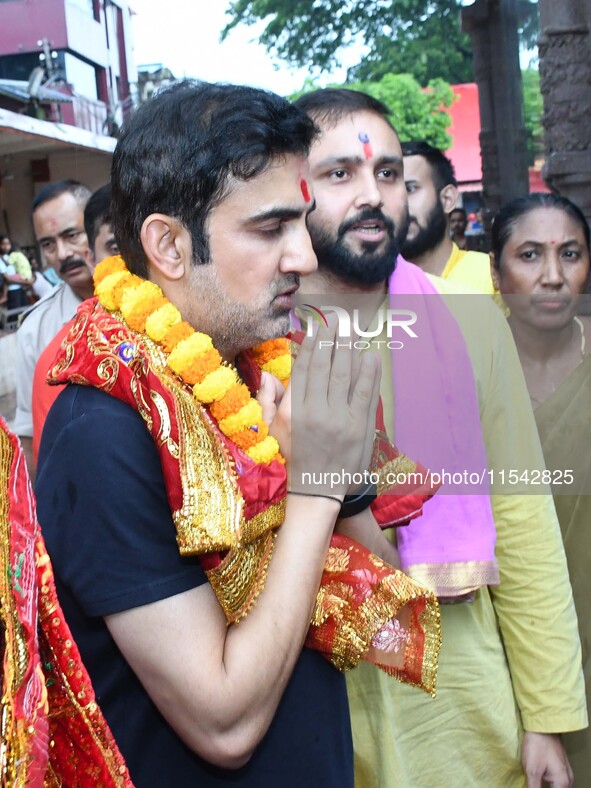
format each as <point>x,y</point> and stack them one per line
<point>565,79</point>
<point>492,25</point>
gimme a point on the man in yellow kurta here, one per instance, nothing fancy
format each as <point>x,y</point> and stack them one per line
<point>432,196</point>
<point>511,657</point>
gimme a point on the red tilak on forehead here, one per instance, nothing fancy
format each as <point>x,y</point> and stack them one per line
<point>305,190</point>
<point>364,139</point>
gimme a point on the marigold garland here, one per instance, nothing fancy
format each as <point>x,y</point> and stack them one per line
<point>192,357</point>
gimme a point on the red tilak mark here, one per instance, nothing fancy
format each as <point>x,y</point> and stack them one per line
<point>367,149</point>
<point>552,242</point>
<point>305,191</point>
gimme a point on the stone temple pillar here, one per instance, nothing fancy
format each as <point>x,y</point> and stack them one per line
<point>565,79</point>
<point>493,28</point>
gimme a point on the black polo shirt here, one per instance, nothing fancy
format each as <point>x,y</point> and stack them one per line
<point>109,532</point>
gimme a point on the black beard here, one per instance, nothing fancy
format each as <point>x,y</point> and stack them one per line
<point>429,236</point>
<point>368,267</point>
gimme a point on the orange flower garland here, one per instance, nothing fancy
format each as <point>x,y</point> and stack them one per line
<point>192,357</point>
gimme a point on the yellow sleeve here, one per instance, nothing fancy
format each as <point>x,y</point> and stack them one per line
<point>470,269</point>
<point>21,264</point>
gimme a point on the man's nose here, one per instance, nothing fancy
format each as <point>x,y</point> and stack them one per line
<point>368,192</point>
<point>300,257</point>
<point>65,249</point>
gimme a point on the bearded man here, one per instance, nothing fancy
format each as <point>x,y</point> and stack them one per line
<point>454,397</point>
<point>432,196</point>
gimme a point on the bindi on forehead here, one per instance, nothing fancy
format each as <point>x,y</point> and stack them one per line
<point>364,140</point>
<point>305,190</point>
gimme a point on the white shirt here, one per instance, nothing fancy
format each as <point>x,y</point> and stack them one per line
<point>40,325</point>
<point>7,268</point>
<point>41,286</point>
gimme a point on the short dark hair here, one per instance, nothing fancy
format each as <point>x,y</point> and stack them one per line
<point>328,105</point>
<point>79,191</point>
<point>459,210</point>
<point>97,213</point>
<point>181,148</point>
<point>504,221</point>
<point>441,167</point>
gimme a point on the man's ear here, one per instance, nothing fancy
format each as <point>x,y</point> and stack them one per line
<point>167,245</point>
<point>449,198</point>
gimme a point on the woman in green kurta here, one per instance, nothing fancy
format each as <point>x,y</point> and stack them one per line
<point>541,266</point>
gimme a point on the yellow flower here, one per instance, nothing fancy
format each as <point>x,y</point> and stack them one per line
<point>215,385</point>
<point>108,266</point>
<point>265,451</point>
<point>176,334</point>
<point>280,366</point>
<point>161,320</point>
<point>250,414</point>
<point>110,289</point>
<point>185,351</point>
<point>139,302</point>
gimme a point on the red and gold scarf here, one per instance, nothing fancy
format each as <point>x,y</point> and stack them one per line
<point>227,508</point>
<point>53,732</point>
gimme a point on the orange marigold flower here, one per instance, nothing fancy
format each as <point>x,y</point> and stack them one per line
<point>137,303</point>
<point>231,402</point>
<point>141,310</point>
<point>162,320</point>
<point>251,413</point>
<point>111,288</point>
<point>270,349</point>
<point>179,331</point>
<point>108,266</point>
<point>187,350</point>
<point>246,439</point>
<point>200,366</point>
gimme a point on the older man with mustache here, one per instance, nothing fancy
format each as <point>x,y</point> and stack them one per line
<point>58,221</point>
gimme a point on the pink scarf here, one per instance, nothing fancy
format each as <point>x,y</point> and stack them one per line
<point>450,548</point>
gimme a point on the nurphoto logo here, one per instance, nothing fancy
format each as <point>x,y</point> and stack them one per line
<point>393,320</point>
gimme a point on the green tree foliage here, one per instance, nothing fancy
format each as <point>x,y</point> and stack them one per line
<point>532,110</point>
<point>421,37</point>
<point>430,45</point>
<point>416,113</point>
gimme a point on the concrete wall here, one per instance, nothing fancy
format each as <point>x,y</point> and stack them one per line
<point>17,188</point>
<point>22,24</point>
<point>85,35</point>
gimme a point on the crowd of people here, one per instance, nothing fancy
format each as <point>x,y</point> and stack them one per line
<point>22,282</point>
<point>195,610</point>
